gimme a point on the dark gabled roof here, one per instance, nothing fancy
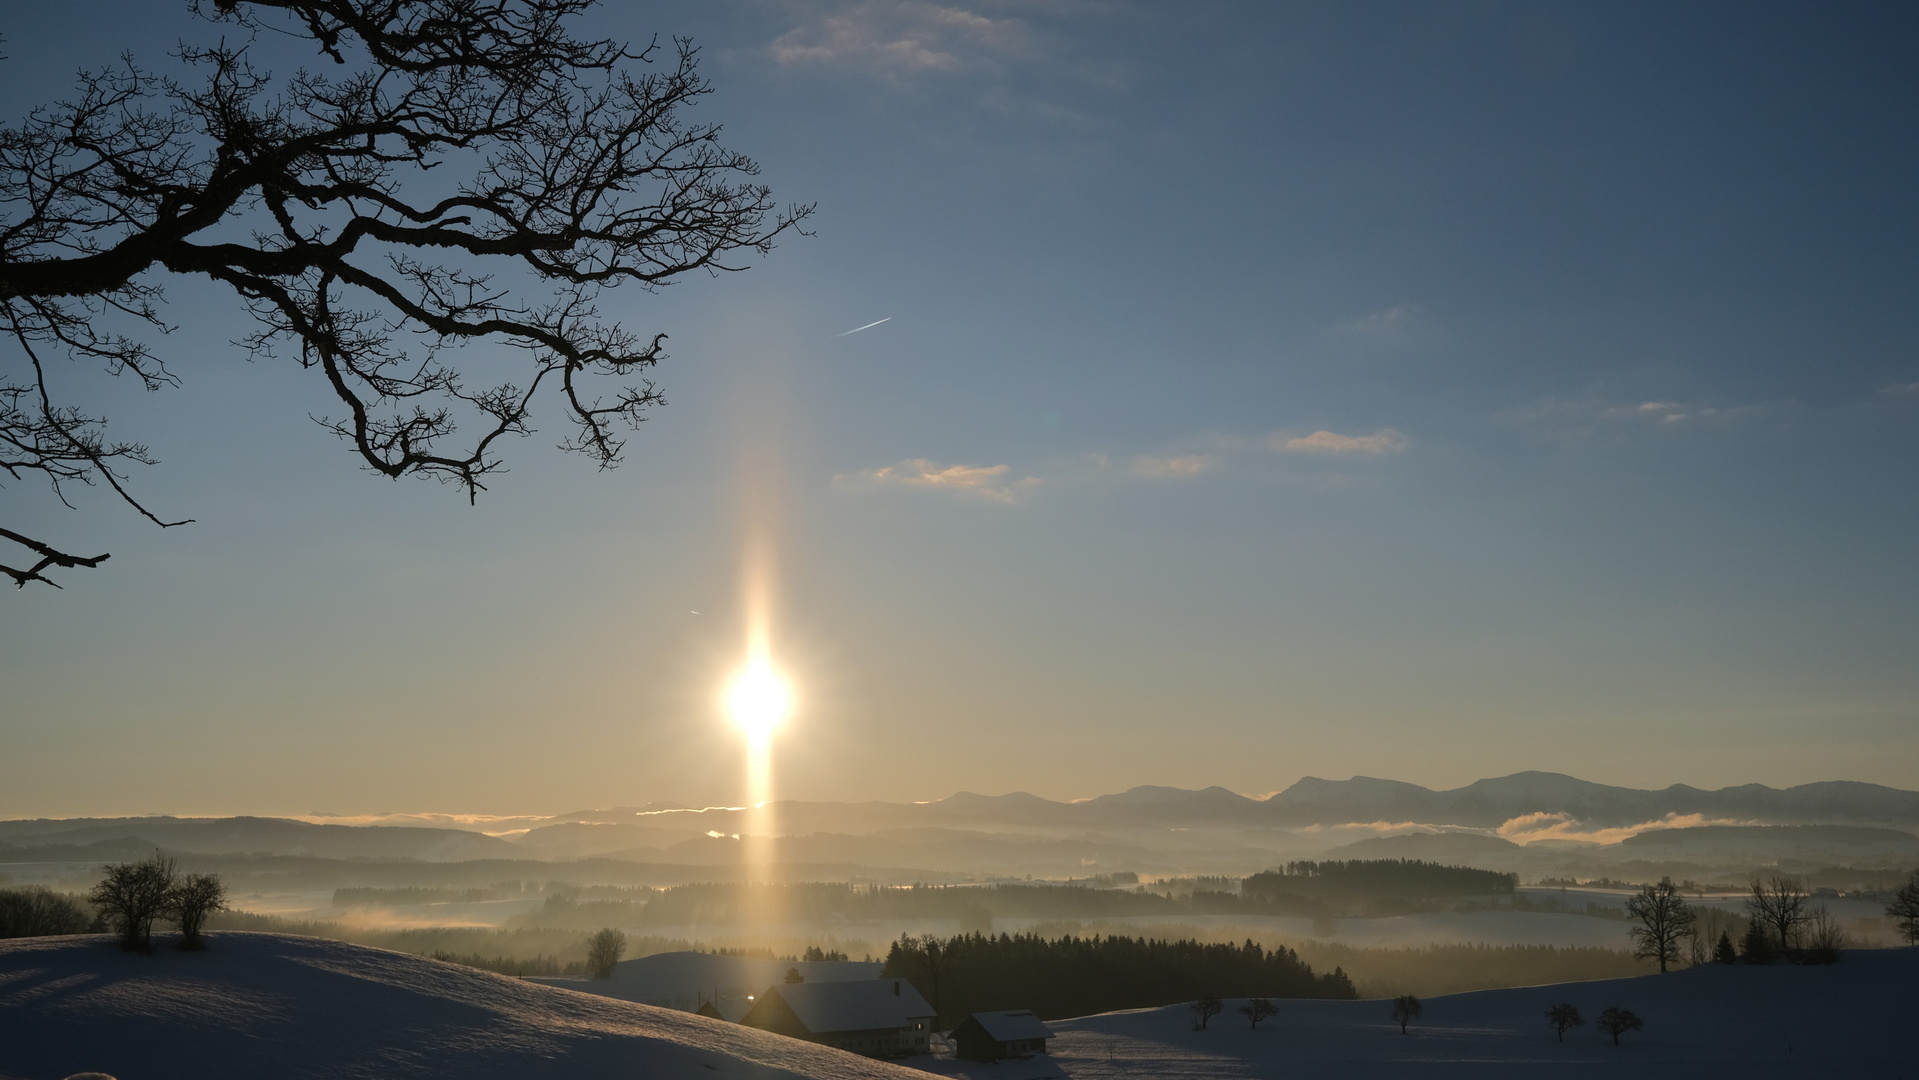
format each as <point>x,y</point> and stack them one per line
<point>861,1005</point>
<point>1008,1026</point>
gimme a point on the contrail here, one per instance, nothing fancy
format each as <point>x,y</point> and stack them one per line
<point>868,326</point>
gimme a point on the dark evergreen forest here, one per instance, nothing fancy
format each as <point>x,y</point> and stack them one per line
<point>1074,976</point>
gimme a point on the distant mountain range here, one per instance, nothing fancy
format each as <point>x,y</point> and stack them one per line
<point>1146,828</point>
<point>1483,804</point>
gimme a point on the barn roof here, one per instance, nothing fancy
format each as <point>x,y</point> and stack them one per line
<point>1011,1026</point>
<point>862,1005</point>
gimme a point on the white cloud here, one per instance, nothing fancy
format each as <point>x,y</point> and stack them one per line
<point>1383,441</point>
<point>1175,467</point>
<point>1908,390</point>
<point>1531,828</point>
<point>990,482</point>
<point>897,37</point>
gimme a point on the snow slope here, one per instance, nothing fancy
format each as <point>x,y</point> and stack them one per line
<point>269,1006</point>
<point>280,1007</point>
<point>1851,1019</point>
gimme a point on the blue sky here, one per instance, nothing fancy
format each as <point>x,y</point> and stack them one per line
<point>1425,391</point>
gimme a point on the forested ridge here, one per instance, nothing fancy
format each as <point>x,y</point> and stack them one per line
<point>1079,976</point>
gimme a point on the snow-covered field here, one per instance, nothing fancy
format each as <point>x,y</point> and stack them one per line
<point>1848,1020</point>
<point>269,1006</point>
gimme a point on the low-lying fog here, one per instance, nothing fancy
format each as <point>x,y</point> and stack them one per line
<point>1556,858</point>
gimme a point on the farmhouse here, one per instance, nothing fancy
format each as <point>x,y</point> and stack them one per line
<point>875,1017</point>
<point>990,1036</point>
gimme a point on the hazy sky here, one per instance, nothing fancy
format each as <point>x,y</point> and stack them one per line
<point>1429,391</point>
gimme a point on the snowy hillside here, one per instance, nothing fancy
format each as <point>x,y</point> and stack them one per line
<point>261,1005</point>
<point>269,1006</point>
<point>1754,1023</point>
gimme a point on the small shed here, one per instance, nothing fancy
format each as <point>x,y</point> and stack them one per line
<point>990,1036</point>
<point>875,1017</point>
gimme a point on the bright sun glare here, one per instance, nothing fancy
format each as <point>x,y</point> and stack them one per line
<point>759,700</point>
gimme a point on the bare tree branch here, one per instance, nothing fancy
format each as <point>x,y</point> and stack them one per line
<point>569,164</point>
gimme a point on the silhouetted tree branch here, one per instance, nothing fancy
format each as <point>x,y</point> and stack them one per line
<point>1562,1016</point>
<point>1406,1009</point>
<point>1257,1009</point>
<point>572,166</point>
<point>1616,1021</point>
<point>1665,921</point>
<point>1904,909</point>
<point>1779,905</point>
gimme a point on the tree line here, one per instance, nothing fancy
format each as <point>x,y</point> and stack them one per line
<point>1782,924</point>
<point>1302,888</point>
<point>128,900</point>
<point>1075,976</point>
<point>1409,879</point>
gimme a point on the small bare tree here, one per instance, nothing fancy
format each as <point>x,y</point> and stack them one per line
<point>1257,1009</point>
<point>1904,909</point>
<point>1778,904</point>
<point>132,896</point>
<point>1665,922</point>
<point>603,950</point>
<point>1562,1016</point>
<point>1824,937</point>
<point>191,901</point>
<point>1616,1021</point>
<point>1205,1009</point>
<point>1406,1009</point>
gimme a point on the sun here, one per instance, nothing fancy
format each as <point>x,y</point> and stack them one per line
<point>759,700</point>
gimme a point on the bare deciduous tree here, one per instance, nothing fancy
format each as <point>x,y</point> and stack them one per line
<point>1824,937</point>
<point>35,911</point>
<point>1904,909</point>
<point>191,901</point>
<point>132,896</point>
<point>1562,1016</point>
<point>1616,1021</point>
<point>1257,1009</point>
<point>1204,1010</point>
<point>567,164</point>
<point>1665,922</point>
<point>1779,905</point>
<point>934,960</point>
<point>603,950</point>
<point>1406,1009</point>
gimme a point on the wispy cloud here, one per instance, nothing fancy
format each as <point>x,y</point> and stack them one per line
<point>1174,467</point>
<point>1531,828</point>
<point>1901,391</point>
<point>1384,323</point>
<point>990,482</point>
<point>1674,413</point>
<point>1383,441</point>
<point>897,37</point>
<point>1582,417</point>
